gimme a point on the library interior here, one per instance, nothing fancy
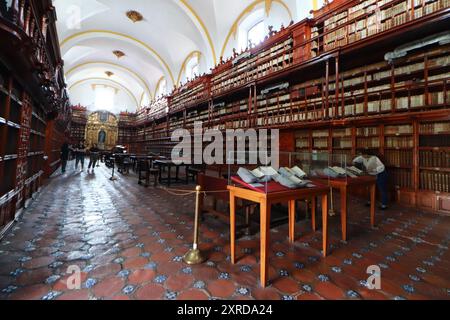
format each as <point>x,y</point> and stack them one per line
<point>231,150</point>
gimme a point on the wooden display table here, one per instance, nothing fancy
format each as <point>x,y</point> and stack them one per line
<point>265,200</point>
<point>344,185</point>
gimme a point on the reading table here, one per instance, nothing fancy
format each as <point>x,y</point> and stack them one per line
<point>169,164</point>
<point>275,193</point>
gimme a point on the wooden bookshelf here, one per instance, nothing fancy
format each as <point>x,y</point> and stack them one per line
<point>190,94</point>
<point>127,131</point>
<point>325,83</point>
<point>434,157</point>
<point>78,124</point>
<point>353,21</point>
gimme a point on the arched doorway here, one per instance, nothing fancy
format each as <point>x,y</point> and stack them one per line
<point>102,129</point>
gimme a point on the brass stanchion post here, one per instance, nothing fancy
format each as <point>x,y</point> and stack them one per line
<point>194,256</point>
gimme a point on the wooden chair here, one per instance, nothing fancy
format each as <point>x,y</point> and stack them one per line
<point>145,171</point>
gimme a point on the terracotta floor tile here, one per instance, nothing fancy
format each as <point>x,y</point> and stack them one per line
<point>35,292</point>
<point>179,282</point>
<point>266,294</point>
<point>221,288</point>
<point>150,291</point>
<point>286,285</point>
<point>75,295</point>
<point>108,287</point>
<point>140,277</point>
<point>193,294</point>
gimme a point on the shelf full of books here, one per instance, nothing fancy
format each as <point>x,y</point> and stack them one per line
<point>434,156</point>
<point>253,64</point>
<point>190,94</point>
<point>367,18</point>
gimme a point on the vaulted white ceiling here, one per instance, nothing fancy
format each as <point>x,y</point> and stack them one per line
<point>157,46</point>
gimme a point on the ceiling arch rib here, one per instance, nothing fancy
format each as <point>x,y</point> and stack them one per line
<point>189,10</point>
<point>115,83</point>
<point>247,11</point>
<point>114,65</point>
<point>77,37</point>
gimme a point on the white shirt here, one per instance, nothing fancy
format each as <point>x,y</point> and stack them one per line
<point>372,164</point>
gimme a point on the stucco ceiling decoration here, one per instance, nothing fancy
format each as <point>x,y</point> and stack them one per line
<point>142,42</point>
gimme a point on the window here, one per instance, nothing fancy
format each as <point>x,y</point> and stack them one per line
<point>193,67</point>
<point>162,88</point>
<point>252,28</point>
<point>145,100</point>
<point>256,34</point>
<point>104,97</point>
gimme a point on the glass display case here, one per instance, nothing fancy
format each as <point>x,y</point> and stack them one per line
<point>283,171</point>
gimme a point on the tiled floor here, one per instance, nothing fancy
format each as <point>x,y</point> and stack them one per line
<point>128,242</point>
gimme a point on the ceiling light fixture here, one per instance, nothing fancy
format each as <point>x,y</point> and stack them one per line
<point>134,16</point>
<point>109,73</point>
<point>119,54</point>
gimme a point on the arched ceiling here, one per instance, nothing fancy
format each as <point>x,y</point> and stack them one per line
<point>157,46</point>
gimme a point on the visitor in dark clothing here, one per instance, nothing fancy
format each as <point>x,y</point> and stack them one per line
<point>80,152</point>
<point>64,156</point>
<point>94,153</point>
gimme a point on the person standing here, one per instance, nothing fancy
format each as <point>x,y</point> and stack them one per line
<point>94,153</point>
<point>80,152</point>
<point>64,156</point>
<point>375,167</point>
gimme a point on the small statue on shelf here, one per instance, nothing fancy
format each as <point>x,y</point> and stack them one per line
<point>282,27</point>
<point>235,54</point>
<point>271,31</point>
<point>250,44</point>
<point>291,23</point>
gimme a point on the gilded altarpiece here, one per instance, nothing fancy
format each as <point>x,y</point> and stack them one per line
<point>102,128</point>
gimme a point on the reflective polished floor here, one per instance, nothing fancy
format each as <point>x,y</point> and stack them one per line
<point>128,242</point>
